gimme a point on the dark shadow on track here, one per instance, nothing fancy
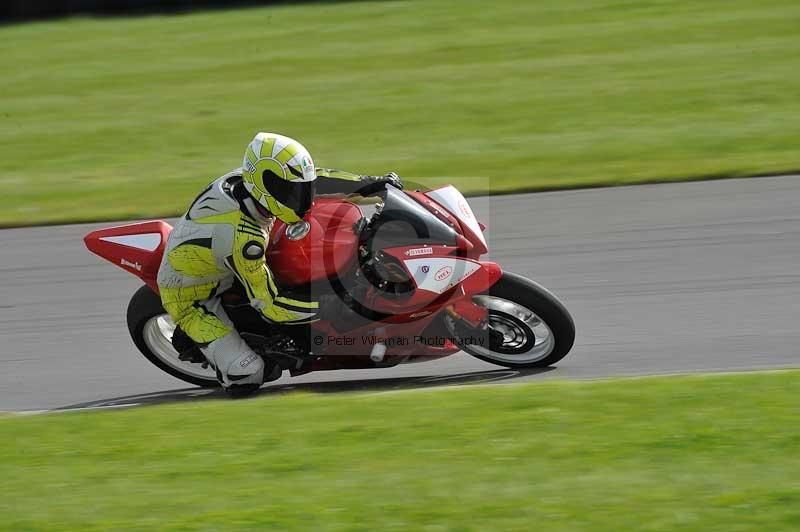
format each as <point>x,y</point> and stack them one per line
<point>21,11</point>
<point>388,384</point>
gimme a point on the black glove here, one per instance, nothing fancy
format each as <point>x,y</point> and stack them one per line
<point>393,179</point>
<point>371,184</point>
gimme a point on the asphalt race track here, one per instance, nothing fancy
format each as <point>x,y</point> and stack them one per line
<point>670,278</point>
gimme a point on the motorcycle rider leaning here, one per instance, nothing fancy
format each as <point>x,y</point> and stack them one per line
<point>223,236</point>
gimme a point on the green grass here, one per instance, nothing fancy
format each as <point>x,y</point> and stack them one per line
<point>699,453</point>
<point>130,117</point>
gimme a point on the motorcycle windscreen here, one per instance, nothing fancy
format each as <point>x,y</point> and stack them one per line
<point>404,222</point>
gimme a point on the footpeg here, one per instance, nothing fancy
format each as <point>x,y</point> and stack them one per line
<point>272,373</point>
<point>378,352</point>
<point>378,349</point>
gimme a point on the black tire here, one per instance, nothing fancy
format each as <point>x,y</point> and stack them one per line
<point>144,305</point>
<point>242,391</point>
<point>544,304</point>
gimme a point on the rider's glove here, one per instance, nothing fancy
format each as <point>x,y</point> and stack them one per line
<point>393,179</point>
<point>371,184</point>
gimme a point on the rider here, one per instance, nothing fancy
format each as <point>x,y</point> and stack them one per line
<point>224,235</point>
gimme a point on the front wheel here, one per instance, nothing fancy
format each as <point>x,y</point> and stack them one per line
<point>151,329</point>
<point>527,326</point>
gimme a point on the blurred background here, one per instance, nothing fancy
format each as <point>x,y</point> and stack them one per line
<point>123,109</point>
<point>20,10</point>
<point>114,110</point>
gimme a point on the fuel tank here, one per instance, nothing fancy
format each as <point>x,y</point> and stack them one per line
<point>328,248</point>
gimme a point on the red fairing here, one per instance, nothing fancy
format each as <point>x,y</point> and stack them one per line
<point>136,248</point>
<point>476,244</point>
<point>483,279</point>
<point>329,249</point>
<point>479,282</point>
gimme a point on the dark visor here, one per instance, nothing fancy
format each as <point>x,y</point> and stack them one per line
<point>298,196</point>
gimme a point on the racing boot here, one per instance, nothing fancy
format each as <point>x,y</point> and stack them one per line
<point>239,369</point>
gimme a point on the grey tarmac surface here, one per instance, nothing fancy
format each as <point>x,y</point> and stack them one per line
<point>669,278</point>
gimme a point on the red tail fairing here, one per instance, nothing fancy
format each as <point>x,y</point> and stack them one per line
<point>136,248</point>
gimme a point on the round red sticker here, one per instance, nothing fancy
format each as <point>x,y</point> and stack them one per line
<point>443,273</point>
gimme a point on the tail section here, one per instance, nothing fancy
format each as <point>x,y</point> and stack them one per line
<point>136,248</point>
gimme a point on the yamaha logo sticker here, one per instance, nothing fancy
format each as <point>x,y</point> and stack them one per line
<point>418,251</point>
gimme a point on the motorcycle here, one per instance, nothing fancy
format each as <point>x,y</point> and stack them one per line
<point>407,280</point>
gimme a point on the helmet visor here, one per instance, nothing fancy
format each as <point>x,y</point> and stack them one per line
<point>297,196</point>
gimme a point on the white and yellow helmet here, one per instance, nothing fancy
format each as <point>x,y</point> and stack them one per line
<point>279,174</point>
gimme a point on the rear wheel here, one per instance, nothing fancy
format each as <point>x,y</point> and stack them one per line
<point>151,329</point>
<point>527,326</point>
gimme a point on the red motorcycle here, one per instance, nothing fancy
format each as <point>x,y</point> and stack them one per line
<point>406,277</point>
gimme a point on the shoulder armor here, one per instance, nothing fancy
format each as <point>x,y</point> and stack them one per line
<point>211,202</point>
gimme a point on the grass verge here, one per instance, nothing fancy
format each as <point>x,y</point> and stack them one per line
<point>690,453</point>
<point>130,117</point>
